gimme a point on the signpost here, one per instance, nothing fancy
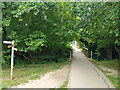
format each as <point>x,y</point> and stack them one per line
<point>12,54</point>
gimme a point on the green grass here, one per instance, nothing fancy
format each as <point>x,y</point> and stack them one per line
<point>111,65</point>
<point>29,72</point>
<point>65,84</point>
<point>114,80</point>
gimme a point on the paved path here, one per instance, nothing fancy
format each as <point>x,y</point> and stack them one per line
<point>84,74</point>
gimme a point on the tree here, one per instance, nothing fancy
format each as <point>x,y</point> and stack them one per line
<point>99,24</point>
<point>44,28</point>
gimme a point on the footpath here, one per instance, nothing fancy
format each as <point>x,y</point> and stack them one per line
<point>84,74</point>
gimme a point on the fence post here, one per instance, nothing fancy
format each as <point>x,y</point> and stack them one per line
<point>91,54</point>
<point>70,54</point>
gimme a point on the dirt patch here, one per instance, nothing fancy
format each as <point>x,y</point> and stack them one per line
<point>49,80</point>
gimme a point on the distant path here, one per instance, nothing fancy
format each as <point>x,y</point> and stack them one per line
<point>84,74</point>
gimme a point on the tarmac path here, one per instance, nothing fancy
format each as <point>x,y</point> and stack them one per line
<point>84,74</point>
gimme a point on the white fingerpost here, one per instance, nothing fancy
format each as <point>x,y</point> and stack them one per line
<point>7,42</point>
<point>12,54</point>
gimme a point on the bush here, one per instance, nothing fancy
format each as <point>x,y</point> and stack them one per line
<point>62,59</point>
<point>42,59</point>
<point>58,54</point>
<point>68,49</point>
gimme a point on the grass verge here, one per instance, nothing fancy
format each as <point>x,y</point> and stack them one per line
<point>109,68</point>
<point>29,72</point>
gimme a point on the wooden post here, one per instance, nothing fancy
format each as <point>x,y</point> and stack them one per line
<point>12,58</point>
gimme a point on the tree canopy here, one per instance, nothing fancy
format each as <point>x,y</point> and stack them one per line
<point>46,28</point>
<point>99,24</point>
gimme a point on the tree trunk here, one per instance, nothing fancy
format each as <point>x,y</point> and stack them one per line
<point>117,48</point>
<point>30,54</point>
<point>24,56</point>
<point>109,52</point>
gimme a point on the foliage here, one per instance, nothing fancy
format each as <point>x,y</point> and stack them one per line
<point>45,28</point>
<point>98,26</point>
<point>39,27</point>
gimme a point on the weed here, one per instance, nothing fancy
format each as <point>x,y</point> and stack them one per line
<point>65,84</point>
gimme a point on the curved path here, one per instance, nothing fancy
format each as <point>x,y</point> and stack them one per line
<point>84,74</point>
